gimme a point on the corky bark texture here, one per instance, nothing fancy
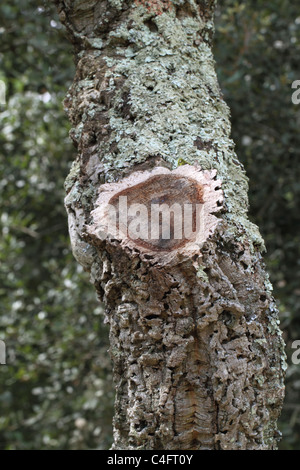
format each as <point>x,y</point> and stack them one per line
<point>197,352</point>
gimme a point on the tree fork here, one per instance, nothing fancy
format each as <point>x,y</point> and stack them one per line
<point>197,352</point>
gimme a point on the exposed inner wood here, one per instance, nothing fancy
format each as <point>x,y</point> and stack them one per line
<point>169,190</point>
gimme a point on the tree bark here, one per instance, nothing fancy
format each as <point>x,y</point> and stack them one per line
<point>197,352</point>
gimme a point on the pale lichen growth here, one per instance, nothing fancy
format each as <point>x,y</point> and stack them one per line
<point>201,274</point>
<point>72,176</point>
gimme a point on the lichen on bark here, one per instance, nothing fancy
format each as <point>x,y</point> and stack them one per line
<point>196,347</point>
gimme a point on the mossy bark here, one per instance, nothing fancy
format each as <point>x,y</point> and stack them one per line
<point>197,351</point>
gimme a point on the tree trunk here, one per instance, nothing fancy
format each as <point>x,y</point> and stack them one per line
<point>197,352</point>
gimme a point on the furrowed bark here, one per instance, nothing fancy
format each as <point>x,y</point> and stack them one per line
<point>197,352</point>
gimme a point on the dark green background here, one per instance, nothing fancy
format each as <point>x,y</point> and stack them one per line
<point>56,391</point>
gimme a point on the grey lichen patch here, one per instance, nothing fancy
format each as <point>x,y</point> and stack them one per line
<point>74,195</point>
<point>95,43</point>
<point>72,176</point>
<point>83,252</point>
<point>88,195</point>
<point>201,274</point>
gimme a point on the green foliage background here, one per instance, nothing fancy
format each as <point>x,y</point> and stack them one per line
<point>56,391</point>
